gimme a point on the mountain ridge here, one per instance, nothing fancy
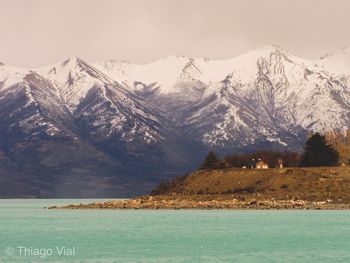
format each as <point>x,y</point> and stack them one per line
<point>140,124</point>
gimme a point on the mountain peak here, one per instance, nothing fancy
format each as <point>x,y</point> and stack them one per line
<point>268,49</point>
<point>73,60</point>
<point>111,63</point>
<point>175,56</point>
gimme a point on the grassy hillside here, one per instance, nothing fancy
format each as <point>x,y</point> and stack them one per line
<point>321,183</point>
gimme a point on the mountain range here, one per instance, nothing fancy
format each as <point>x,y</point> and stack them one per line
<point>115,129</point>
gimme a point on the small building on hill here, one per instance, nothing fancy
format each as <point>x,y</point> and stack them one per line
<point>261,165</point>
<point>280,163</point>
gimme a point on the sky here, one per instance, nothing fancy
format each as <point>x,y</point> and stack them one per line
<point>35,33</point>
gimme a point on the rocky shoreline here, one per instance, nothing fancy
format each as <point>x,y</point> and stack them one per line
<point>200,203</point>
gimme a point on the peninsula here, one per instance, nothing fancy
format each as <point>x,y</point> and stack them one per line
<point>238,188</point>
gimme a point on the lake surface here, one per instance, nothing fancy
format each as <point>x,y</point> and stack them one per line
<point>30,233</point>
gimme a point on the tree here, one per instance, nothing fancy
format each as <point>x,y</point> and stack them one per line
<point>211,161</point>
<point>318,153</point>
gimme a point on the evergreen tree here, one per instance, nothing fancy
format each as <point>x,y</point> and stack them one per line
<point>318,153</point>
<point>210,162</point>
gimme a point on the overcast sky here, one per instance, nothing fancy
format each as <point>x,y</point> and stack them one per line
<point>35,33</point>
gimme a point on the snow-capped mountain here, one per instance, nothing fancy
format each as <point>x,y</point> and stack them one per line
<point>264,94</point>
<point>99,103</point>
<point>146,122</point>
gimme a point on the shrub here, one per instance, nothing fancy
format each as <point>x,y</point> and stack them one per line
<point>284,186</point>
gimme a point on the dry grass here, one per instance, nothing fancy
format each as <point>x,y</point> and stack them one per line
<point>319,183</point>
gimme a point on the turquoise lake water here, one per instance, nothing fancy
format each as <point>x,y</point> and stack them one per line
<point>30,233</point>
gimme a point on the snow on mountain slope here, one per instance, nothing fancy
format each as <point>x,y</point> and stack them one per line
<point>164,72</point>
<point>270,95</point>
<point>168,72</point>
<point>265,93</point>
<point>73,79</point>
<point>98,102</point>
<point>30,107</point>
<point>172,70</point>
<point>107,112</point>
<point>337,62</point>
<point>11,75</point>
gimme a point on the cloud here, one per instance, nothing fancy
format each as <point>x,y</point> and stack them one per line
<point>38,32</point>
